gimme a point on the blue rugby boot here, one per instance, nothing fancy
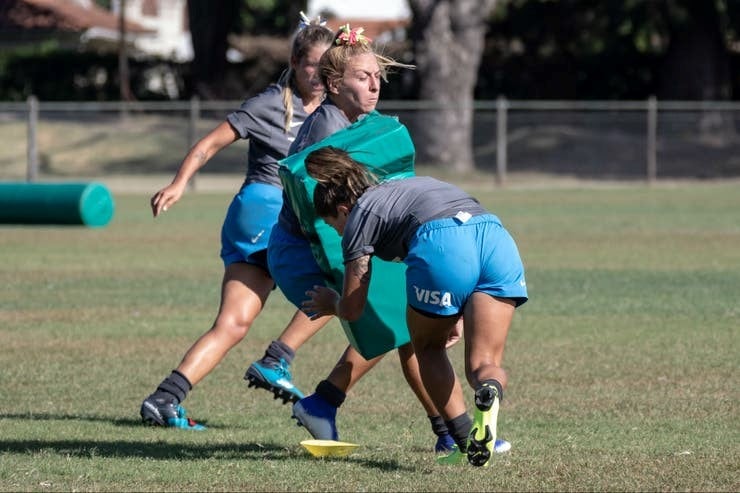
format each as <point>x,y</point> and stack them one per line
<point>483,434</point>
<point>317,416</point>
<point>444,444</point>
<point>274,377</point>
<point>160,411</point>
<point>501,446</point>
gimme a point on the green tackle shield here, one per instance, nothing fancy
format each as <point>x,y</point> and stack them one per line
<point>385,146</point>
<point>88,204</point>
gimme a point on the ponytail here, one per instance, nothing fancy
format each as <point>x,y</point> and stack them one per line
<point>311,32</point>
<point>340,179</point>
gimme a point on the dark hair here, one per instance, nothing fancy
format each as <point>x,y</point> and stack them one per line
<point>340,179</point>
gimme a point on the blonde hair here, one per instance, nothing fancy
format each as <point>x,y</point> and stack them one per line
<point>334,61</point>
<point>310,34</point>
<point>340,179</point>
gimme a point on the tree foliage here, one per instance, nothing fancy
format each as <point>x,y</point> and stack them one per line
<point>448,39</point>
<point>578,49</point>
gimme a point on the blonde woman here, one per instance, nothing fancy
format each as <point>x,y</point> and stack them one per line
<point>269,121</point>
<point>352,73</point>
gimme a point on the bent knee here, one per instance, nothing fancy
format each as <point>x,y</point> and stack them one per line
<point>233,328</point>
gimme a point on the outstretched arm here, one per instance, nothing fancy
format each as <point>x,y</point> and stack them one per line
<point>207,147</point>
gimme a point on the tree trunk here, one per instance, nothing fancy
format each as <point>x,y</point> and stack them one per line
<point>697,64</point>
<point>448,37</point>
<point>124,77</point>
<point>210,23</point>
<point>697,67</point>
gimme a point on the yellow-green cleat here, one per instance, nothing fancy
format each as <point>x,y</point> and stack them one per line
<point>453,458</point>
<point>456,457</point>
<point>483,434</point>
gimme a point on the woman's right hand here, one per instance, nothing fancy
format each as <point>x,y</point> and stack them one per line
<point>165,198</point>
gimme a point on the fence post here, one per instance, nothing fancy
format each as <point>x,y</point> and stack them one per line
<point>193,131</point>
<point>501,140</point>
<point>32,153</point>
<point>652,133</point>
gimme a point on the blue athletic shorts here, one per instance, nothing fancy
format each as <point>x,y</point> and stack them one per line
<point>248,224</point>
<point>292,265</point>
<point>448,260</point>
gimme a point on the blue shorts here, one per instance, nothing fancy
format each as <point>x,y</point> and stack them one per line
<point>292,265</point>
<point>248,224</point>
<point>448,260</point>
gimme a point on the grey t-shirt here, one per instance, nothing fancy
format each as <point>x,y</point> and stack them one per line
<point>326,120</point>
<point>261,119</point>
<point>387,215</point>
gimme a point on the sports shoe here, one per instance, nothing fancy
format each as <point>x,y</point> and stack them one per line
<point>318,416</point>
<point>274,377</point>
<point>483,434</point>
<point>444,444</point>
<point>453,458</point>
<point>158,411</point>
<point>501,446</point>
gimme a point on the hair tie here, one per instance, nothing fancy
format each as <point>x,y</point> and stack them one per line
<point>351,37</point>
<point>305,21</point>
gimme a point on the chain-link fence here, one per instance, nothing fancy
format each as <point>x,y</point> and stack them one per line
<point>595,140</point>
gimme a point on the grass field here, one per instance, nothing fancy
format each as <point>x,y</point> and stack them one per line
<point>623,365</point>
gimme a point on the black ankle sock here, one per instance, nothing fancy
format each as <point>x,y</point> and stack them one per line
<point>459,429</point>
<point>438,425</point>
<point>497,385</point>
<point>176,385</point>
<point>278,350</point>
<point>330,393</point>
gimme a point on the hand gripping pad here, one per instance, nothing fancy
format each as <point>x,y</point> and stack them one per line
<point>385,146</point>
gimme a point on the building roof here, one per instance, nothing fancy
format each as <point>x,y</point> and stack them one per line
<point>58,15</point>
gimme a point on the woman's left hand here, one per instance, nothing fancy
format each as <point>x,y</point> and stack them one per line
<point>321,301</point>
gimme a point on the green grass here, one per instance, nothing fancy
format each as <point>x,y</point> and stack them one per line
<point>623,365</point>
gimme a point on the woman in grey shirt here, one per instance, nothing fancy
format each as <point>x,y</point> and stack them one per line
<point>460,261</point>
<point>270,121</point>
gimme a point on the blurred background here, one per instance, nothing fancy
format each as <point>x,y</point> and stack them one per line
<point>504,89</point>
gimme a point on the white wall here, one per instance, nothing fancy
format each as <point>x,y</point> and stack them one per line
<point>364,9</point>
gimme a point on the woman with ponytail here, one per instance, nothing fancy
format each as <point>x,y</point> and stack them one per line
<point>461,262</point>
<point>269,121</point>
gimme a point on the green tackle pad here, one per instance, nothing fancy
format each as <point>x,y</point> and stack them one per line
<point>385,147</point>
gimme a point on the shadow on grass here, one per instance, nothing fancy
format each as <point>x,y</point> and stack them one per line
<point>180,451</point>
<point>81,417</point>
<point>165,450</point>
<point>160,450</point>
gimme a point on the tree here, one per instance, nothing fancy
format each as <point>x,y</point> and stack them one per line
<point>123,68</point>
<point>612,49</point>
<point>210,24</point>
<point>213,21</point>
<point>448,37</point>
<point>697,62</point>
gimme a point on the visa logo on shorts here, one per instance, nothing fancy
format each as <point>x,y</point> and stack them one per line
<point>441,298</point>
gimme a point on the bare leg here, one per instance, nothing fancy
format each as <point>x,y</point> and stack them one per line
<point>410,367</point>
<point>244,291</point>
<point>318,411</point>
<point>487,322</point>
<point>429,337</point>
<point>301,328</point>
<point>271,372</point>
<point>350,368</point>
